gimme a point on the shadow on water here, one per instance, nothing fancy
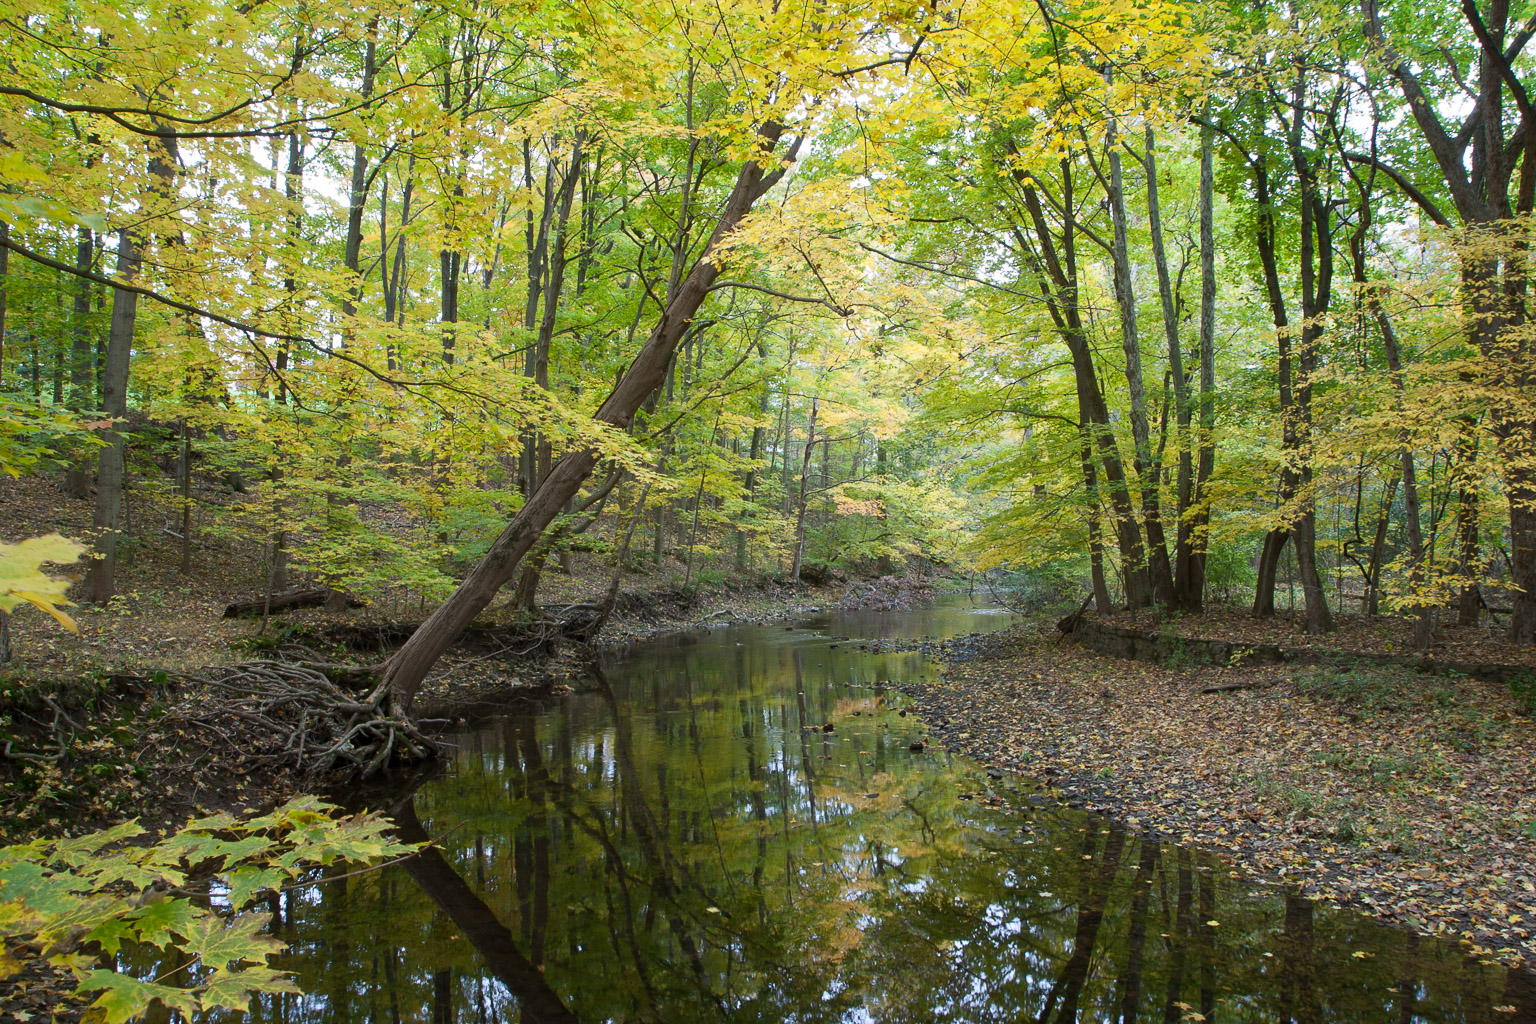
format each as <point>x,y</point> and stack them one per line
<point>690,842</point>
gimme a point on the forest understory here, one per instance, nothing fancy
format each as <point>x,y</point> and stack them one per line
<point>1404,795</point>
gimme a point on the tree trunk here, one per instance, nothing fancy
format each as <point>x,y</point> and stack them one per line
<point>1269,570</point>
<point>1378,549</point>
<point>357,195</point>
<point>1294,375</point>
<point>1158,571</point>
<point>184,473</point>
<point>554,260</point>
<point>1316,298</point>
<point>805,474</point>
<point>77,480</point>
<point>1102,603</point>
<point>1407,470</point>
<point>1061,298</point>
<point>1468,597</point>
<point>1478,165</point>
<point>1184,481</point>
<point>749,483</point>
<point>883,562</point>
<point>100,578</point>
<point>5,288</point>
<point>405,671</point>
<point>293,188</point>
<point>1194,592</point>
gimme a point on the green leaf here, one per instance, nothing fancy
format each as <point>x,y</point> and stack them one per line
<point>233,989</point>
<point>219,944</point>
<point>127,869</point>
<point>245,882</point>
<point>123,998</point>
<point>17,879</point>
<point>77,851</point>
<point>112,933</point>
<point>196,847</point>
<point>157,922</point>
<point>187,846</point>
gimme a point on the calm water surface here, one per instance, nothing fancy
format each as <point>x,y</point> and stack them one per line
<point>689,842</point>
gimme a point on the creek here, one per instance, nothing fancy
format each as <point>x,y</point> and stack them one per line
<point>733,825</point>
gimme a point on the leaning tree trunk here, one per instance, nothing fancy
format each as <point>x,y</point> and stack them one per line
<point>404,672</point>
<point>1059,268</point>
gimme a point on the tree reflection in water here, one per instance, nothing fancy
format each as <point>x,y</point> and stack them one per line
<point>686,843</point>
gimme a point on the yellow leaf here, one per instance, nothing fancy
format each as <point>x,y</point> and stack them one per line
<point>23,581</point>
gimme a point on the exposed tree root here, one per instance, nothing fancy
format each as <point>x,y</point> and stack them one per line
<point>315,720</point>
<point>294,718</point>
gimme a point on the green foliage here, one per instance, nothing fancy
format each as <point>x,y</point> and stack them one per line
<point>71,901</point>
<point>35,437</point>
<point>1229,570</point>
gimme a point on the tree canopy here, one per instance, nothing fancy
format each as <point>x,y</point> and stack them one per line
<point>1172,302</point>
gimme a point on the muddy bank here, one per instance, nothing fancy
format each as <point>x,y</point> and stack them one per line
<point>1402,795</point>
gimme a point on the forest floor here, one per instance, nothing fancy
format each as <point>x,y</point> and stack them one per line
<point>1404,795</point>
<point>1487,643</point>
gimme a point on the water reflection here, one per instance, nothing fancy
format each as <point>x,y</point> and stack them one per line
<point>689,842</point>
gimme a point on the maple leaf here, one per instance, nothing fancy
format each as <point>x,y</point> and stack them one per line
<point>123,997</point>
<point>23,581</point>
<point>219,944</point>
<point>233,989</point>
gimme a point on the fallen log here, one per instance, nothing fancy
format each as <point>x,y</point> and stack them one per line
<point>307,597</point>
<point>1069,622</point>
<point>1254,684</point>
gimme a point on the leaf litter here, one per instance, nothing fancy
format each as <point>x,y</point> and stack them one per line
<point>1401,795</point>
